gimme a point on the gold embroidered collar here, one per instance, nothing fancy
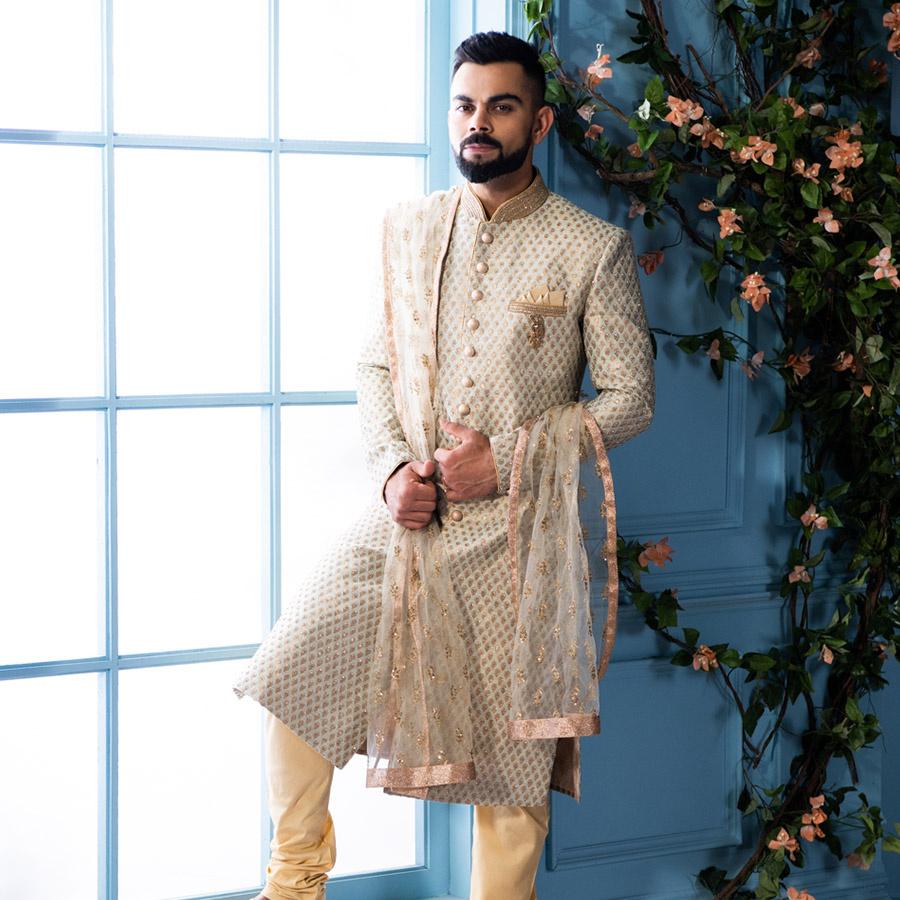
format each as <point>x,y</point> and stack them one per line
<point>517,207</point>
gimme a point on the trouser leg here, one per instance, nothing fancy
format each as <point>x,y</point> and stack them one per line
<point>506,848</point>
<point>303,848</point>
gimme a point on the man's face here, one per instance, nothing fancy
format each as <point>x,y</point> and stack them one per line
<point>491,120</point>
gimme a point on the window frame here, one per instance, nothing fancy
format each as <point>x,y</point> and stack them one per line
<point>443,830</point>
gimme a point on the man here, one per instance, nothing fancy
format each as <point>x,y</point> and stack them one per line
<point>526,288</point>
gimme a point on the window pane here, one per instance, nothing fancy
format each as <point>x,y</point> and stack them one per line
<point>324,484</point>
<point>51,279</point>
<point>191,527</point>
<point>329,259</point>
<point>50,52</point>
<point>190,805</point>
<point>191,67</point>
<point>191,271</point>
<point>50,787</point>
<point>308,107</point>
<point>354,807</point>
<point>51,536</point>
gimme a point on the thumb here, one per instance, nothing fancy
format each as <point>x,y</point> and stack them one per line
<point>423,468</point>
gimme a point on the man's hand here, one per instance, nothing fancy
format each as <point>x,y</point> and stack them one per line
<point>467,471</point>
<point>410,496</point>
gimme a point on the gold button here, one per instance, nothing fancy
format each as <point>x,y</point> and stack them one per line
<point>463,409</point>
<point>469,351</point>
<point>467,381</point>
<point>486,237</point>
<point>476,295</point>
<point>472,324</point>
<point>481,268</point>
<point>456,515</point>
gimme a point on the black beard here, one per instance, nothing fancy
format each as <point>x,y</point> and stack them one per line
<point>479,172</point>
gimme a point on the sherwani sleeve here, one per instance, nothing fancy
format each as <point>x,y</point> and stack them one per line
<point>384,443</point>
<point>619,356</point>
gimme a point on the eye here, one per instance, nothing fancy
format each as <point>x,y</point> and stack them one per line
<point>464,107</point>
<point>503,107</point>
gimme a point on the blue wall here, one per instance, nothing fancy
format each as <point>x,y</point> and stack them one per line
<point>660,782</point>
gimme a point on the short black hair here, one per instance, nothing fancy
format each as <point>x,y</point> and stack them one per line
<point>498,46</point>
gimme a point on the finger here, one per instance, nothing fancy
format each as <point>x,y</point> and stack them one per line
<point>422,468</point>
<point>419,506</point>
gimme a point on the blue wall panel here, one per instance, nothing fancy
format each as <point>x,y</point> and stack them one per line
<point>660,782</point>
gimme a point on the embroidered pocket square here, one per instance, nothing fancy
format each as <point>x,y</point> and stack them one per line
<point>542,301</point>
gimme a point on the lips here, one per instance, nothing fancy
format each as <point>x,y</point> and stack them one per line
<point>479,148</point>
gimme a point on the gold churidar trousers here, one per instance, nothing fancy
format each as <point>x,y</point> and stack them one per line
<point>506,840</point>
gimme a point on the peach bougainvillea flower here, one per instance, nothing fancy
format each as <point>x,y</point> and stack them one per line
<point>813,819</point>
<point>593,132</point>
<point>794,894</point>
<point>826,217</point>
<point>814,518</point>
<point>799,574</point>
<point>795,106</point>
<point>705,658</point>
<point>826,654</point>
<point>855,861</point>
<point>799,167</point>
<point>817,109</point>
<point>755,291</point>
<point>651,260</point>
<point>713,350</point>
<point>845,153</point>
<point>659,552</point>
<point>599,68</point>
<point>753,365</point>
<point>706,205</point>
<point>635,150</point>
<point>680,111</point>
<point>637,208</point>
<point>883,264</point>
<point>586,111</point>
<point>783,839</point>
<point>879,70</point>
<point>892,19</point>
<point>844,361</point>
<point>867,390</point>
<point>762,151</point>
<point>799,363</point>
<point>708,134</point>
<point>728,220</point>
<point>808,56</point>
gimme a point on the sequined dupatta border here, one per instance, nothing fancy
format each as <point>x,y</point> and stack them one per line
<point>572,725</point>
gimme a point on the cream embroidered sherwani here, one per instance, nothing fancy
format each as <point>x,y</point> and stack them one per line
<point>526,298</point>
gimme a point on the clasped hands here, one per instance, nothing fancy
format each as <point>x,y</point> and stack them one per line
<point>467,473</point>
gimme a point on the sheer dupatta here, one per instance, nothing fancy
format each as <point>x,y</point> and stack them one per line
<point>419,713</point>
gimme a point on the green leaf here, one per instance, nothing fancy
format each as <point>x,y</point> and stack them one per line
<point>709,270</point>
<point>883,234</point>
<point>729,657</point>
<point>757,662</point>
<point>646,138</point>
<point>725,182</point>
<point>654,91</point>
<point>854,713</point>
<point>811,194</point>
<point>690,343</point>
<point>555,92</point>
<point>691,635</point>
<point>783,421</point>
<point>682,658</point>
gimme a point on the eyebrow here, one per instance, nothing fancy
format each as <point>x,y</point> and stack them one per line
<point>493,99</point>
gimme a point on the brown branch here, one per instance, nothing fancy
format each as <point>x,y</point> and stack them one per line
<point>814,43</point>
<point>679,83</point>
<point>750,83</point>
<point>711,81</point>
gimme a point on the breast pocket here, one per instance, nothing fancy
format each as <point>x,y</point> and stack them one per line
<point>532,310</point>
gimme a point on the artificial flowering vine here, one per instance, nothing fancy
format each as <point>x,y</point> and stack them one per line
<point>801,202</point>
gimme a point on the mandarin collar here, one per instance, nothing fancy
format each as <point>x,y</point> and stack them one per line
<point>517,207</point>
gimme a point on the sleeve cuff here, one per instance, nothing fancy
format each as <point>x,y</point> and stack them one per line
<point>502,448</point>
<point>389,467</point>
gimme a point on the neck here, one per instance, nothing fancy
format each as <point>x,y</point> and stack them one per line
<point>498,190</point>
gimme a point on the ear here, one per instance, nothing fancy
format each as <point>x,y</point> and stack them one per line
<point>543,122</point>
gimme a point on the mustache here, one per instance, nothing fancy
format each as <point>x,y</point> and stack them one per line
<point>479,139</point>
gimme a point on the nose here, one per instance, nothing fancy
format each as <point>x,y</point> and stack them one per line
<point>480,121</point>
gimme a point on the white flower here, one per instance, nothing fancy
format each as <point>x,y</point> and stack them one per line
<point>643,110</point>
